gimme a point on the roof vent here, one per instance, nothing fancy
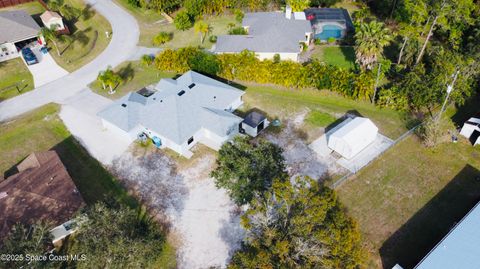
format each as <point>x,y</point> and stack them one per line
<point>191,85</point>
<point>124,105</point>
<point>180,93</point>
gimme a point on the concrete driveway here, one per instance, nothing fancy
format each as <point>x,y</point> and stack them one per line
<point>79,115</point>
<point>46,70</point>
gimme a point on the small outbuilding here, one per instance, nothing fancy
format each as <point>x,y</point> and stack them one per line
<point>254,123</point>
<point>471,130</point>
<point>52,19</point>
<point>353,137</point>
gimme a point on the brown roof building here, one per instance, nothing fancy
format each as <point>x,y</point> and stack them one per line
<point>41,190</point>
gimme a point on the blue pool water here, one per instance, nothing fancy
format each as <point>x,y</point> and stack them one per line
<point>328,31</point>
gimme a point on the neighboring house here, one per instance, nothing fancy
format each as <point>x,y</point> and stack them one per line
<point>460,248</point>
<point>17,29</point>
<point>42,190</point>
<point>329,22</point>
<point>471,130</point>
<point>254,123</point>
<point>269,33</point>
<point>179,113</point>
<point>52,19</point>
<point>353,137</point>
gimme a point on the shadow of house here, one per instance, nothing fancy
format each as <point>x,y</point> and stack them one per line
<point>409,244</point>
<point>348,114</point>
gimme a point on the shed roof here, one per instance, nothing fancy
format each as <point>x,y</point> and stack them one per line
<point>178,108</point>
<point>48,15</point>
<point>17,25</point>
<point>460,248</point>
<point>253,119</point>
<point>267,32</point>
<point>41,190</point>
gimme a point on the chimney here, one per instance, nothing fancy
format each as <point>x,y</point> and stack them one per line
<point>288,12</point>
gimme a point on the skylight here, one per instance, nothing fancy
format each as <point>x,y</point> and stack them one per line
<point>191,85</point>
<point>180,93</point>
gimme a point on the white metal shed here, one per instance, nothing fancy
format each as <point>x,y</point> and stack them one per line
<point>353,137</point>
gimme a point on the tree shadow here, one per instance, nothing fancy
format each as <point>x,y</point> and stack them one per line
<point>349,114</point>
<point>88,12</point>
<point>127,72</point>
<point>409,244</point>
<point>470,109</point>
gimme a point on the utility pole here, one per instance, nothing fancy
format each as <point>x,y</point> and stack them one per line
<point>449,90</point>
<point>376,83</point>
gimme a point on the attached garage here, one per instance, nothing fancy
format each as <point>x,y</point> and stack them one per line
<point>353,137</point>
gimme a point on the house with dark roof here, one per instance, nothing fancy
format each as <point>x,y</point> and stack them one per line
<point>177,114</point>
<point>17,28</point>
<point>269,33</point>
<point>42,190</point>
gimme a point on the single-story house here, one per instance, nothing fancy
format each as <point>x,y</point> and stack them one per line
<point>353,137</point>
<point>41,190</point>
<point>471,130</point>
<point>459,248</point>
<point>52,19</point>
<point>17,29</point>
<point>178,113</point>
<point>254,123</point>
<point>329,22</point>
<point>269,33</point>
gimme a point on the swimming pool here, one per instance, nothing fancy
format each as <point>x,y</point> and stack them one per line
<point>329,30</point>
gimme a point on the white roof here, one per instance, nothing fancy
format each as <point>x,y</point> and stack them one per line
<point>353,137</point>
<point>178,108</point>
<point>460,248</point>
<point>474,120</point>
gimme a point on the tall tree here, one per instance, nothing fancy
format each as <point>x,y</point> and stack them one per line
<point>299,225</point>
<point>203,29</point>
<point>245,168</point>
<point>51,35</point>
<point>370,39</point>
<point>449,16</point>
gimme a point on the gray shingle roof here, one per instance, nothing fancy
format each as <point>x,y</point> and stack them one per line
<point>254,119</point>
<point>268,32</point>
<point>16,26</point>
<point>177,117</point>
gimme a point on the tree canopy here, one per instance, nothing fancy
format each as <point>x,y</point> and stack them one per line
<point>299,225</point>
<point>247,168</point>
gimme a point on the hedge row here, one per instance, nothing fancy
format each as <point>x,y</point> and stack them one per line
<point>246,67</point>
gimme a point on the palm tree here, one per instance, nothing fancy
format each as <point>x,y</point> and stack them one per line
<point>50,34</point>
<point>370,39</point>
<point>103,78</point>
<point>203,28</point>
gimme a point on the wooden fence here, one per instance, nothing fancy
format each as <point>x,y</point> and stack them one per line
<point>9,3</point>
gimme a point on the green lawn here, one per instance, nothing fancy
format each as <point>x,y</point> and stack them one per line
<point>88,38</point>
<point>151,23</point>
<point>407,200</point>
<point>319,119</point>
<point>41,130</point>
<point>284,103</point>
<point>32,8</point>
<point>135,77</point>
<point>14,73</point>
<point>341,56</point>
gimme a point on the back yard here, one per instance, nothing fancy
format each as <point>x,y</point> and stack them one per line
<point>16,79</point>
<point>406,201</point>
<point>341,56</point>
<point>41,130</point>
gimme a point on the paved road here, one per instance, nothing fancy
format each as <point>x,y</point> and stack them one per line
<point>121,48</point>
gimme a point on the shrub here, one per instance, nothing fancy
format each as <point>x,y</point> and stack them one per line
<point>147,60</point>
<point>213,38</point>
<point>238,15</point>
<point>331,40</point>
<point>162,38</point>
<point>183,21</point>
<point>317,41</point>
<point>276,58</point>
<point>237,31</point>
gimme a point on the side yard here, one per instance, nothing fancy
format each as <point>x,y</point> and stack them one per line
<point>41,130</point>
<point>152,23</point>
<point>16,78</point>
<point>135,75</point>
<point>340,56</point>
<point>87,41</point>
<point>406,201</point>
